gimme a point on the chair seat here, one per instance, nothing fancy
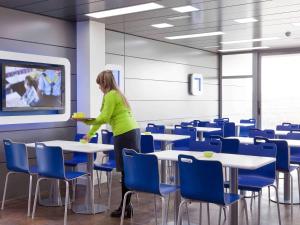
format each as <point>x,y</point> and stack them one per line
<point>295,159</point>
<point>74,162</point>
<point>231,198</point>
<point>108,166</point>
<point>292,168</point>
<point>252,183</point>
<point>166,189</point>
<point>71,175</point>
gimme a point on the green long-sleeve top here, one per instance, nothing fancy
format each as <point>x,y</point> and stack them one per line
<point>116,113</point>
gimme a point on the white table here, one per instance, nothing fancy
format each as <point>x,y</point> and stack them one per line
<point>234,162</point>
<point>286,198</point>
<point>90,149</point>
<point>200,130</point>
<point>281,132</point>
<point>239,125</point>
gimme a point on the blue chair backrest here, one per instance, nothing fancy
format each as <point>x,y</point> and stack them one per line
<point>287,126</point>
<point>155,128</point>
<point>187,124</point>
<point>209,145</point>
<point>295,135</point>
<point>82,155</point>
<point>141,172</point>
<point>244,131</point>
<point>147,144</point>
<point>107,137</point>
<point>201,180</point>
<point>261,133</point>
<point>16,156</point>
<point>229,129</point>
<point>221,119</point>
<point>50,161</point>
<point>190,131</point>
<point>263,150</point>
<point>230,146</point>
<point>282,158</point>
<point>202,123</point>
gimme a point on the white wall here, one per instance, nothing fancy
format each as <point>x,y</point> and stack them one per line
<point>156,75</point>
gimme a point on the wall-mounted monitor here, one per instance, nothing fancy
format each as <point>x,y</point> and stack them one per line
<point>32,86</point>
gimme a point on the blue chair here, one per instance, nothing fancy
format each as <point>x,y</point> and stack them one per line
<point>256,180</point>
<point>287,126</point>
<point>262,133</point>
<point>244,131</point>
<point>199,123</point>
<point>107,137</point>
<point>212,145</point>
<point>294,151</point>
<point>184,144</point>
<point>50,165</point>
<point>17,163</point>
<point>78,157</point>
<point>187,124</point>
<point>283,165</point>
<point>147,144</point>
<point>107,167</point>
<point>197,185</point>
<point>156,129</point>
<point>230,145</point>
<point>229,129</point>
<point>213,133</point>
<point>142,175</point>
<point>221,120</point>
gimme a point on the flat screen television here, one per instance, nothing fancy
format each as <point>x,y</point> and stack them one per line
<point>32,87</point>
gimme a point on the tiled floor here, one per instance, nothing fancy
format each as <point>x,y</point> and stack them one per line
<point>15,213</point>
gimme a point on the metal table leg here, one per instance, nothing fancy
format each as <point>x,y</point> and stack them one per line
<point>237,130</point>
<point>177,194</point>
<point>54,199</point>
<point>200,135</point>
<point>233,209</point>
<point>87,206</point>
<point>163,167</point>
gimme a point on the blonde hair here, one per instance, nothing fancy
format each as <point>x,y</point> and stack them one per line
<point>107,82</point>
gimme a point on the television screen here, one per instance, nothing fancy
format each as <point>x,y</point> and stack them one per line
<point>32,87</point>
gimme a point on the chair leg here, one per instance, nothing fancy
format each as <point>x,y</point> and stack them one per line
<point>123,206</point>
<point>200,213</point>
<point>251,200</point>
<point>99,183</point>
<point>208,214</point>
<point>269,194</point>
<point>220,212</point>
<point>164,211</point>
<point>92,194</point>
<point>109,190</point>
<point>74,183</point>
<point>277,200</point>
<point>298,173</point>
<point>246,210</point>
<point>5,189</point>
<point>100,177</point>
<point>155,210</point>
<point>225,214</point>
<point>292,193</point>
<point>259,204</point>
<point>29,195</point>
<point>66,203</point>
<point>36,196</point>
<point>188,214</point>
<point>179,219</point>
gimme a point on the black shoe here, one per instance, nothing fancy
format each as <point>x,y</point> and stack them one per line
<point>118,212</point>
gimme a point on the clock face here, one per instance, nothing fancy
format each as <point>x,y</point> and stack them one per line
<point>195,84</point>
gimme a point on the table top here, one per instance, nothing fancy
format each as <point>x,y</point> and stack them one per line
<point>168,137</point>
<point>228,160</point>
<point>74,146</point>
<point>244,124</point>
<point>249,140</point>
<point>281,132</point>
<point>199,129</point>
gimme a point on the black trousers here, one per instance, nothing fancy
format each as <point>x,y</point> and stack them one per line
<point>130,140</point>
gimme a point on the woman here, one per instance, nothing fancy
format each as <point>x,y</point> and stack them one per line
<point>116,111</point>
<point>30,96</point>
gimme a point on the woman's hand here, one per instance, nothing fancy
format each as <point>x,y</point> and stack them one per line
<point>87,138</point>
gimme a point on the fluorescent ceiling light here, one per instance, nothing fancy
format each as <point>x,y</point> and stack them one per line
<point>184,9</point>
<point>125,10</point>
<point>246,20</point>
<point>194,35</point>
<point>162,25</point>
<point>179,17</point>
<point>243,49</point>
<point>250,40</point>
<point>296,24</point>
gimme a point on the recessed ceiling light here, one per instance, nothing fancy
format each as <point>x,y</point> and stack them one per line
<point>184,9</point>
<point>125,10</point>
<point>250,40</point>
<point>243,49</point>
<point>162,25</point>
<point>296,24</point>
<point>246,20</point>
<point>194,35</point>
<point>179,17</point>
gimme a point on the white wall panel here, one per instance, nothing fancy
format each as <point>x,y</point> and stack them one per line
<point>158,70</point>
<point>163,90</point>
<point>114,42</point>
<point>156,50</point>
